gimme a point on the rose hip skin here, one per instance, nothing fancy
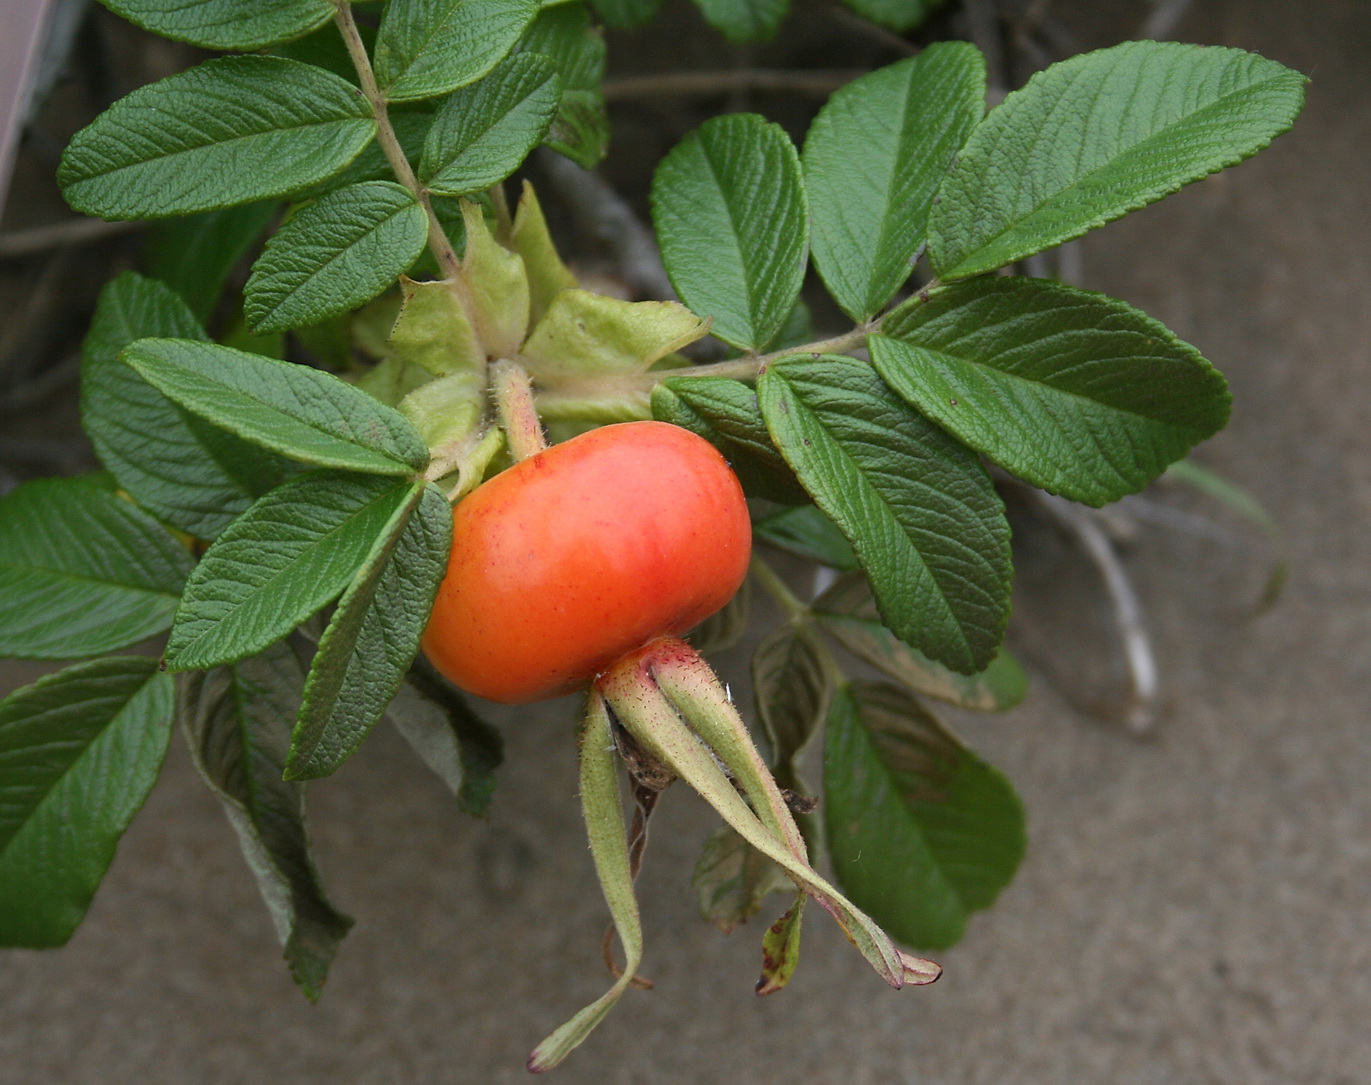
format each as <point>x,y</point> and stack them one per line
<point>582,553</point>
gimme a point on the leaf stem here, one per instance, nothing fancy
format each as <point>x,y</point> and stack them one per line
<point>779,590</point>
<point>438,241</point>
<point>513,392</point>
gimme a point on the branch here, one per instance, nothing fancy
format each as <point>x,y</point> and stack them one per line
<point>19,243</point>
<point>1084,525</point>
<point>390,143</point>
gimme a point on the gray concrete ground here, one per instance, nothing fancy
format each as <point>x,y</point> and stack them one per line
<point>1194,909</point>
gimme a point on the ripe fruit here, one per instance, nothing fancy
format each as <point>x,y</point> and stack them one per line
<point>582,553</point>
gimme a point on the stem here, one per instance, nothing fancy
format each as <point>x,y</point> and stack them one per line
<point>438,241</point>
<point>779,590</point>
<point>504,222</point>
<point>513,393</point>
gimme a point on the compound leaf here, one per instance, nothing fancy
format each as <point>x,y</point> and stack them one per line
<point>1074,391</point>
<point>79,752</point>
<point>291,553</point>
<point>237,723</point>
<point>82,571</point>
<point>921,830</point>
<point>373,635</point>
<point>873,159</point>
<point>304,413</point>
<point>334,255</point>
<point>425,48</point>
<point>1094,137</point>
<point>731,254</point>
<point>229,131</point>
<point>917,507</point>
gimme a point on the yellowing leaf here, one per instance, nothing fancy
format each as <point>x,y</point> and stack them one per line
<point>496,285</point>
<point>433,330</point>
<point>547,275</point>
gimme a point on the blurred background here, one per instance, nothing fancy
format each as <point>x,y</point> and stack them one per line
<point>1196,902</point>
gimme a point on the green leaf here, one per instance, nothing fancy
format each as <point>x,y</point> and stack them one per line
<point>291,553</point>
<point>725,413</point>
<point>334,255</point>
<point>897,15</point>
<point>921,830</point>
<point>79,752</point>
<point>732,878</point>
<point>744,20</point>
<point>196,254</point>
<point>529,237</point>
<point>226,24</point>
<point>918,508</point>
<point>237,723</point>
<point>1099,135</point>
<point>430,47</point>
<point>806,531</point>
<point>873,159</point>
<point>484,131</point>
<point>565,36</point>
<point>731,254</point>
<point>433,331</point>
<point>411,129</point>
<point>300,412</point>
<point>82,571</point>
<point>178,467</point>
<point>373,635</point>
<point>450,738</point>
<point>625,14</point>
<point>1074,391</point>
<point>229,131</point>
<point>585,335</point>
<point>793,682</point>
<point>847,612</point>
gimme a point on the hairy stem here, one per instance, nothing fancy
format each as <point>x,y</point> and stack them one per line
<point>513,393</point>
<point>438,241</point>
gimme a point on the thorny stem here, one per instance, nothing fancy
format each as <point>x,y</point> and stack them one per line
<point>513,392</point>
<point>438,241</point>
